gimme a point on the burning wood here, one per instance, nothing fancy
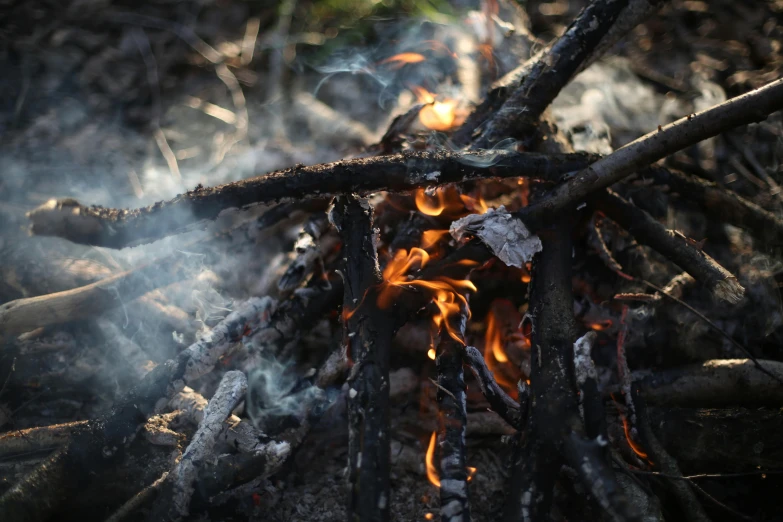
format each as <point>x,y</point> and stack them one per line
<point>453,477</point>
<point>367,337</point>
<point>451,214</point>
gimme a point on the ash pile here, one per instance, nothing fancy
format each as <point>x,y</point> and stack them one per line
<point>391,261</point>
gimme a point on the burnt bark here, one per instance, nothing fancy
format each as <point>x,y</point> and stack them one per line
<point>452,413</point>
<point>553,411</point>
<point>368,335</point>
<point>119,228</point>
<point>518,116</point>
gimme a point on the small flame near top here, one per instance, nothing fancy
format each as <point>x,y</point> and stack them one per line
<point>438,115</point>
<point>401,59</point>
<point>449,202</point>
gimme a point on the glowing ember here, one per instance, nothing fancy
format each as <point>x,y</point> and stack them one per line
<point>471,473</point>
<point>635,447</point>
<point>431,353</point>
<point>428,516</point>
<point>601,325</point>
<point>432,474</point>
<point>398,60</point>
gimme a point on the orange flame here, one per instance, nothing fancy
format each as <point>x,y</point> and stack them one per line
<point>428,207</point>
<point>437,45</point>
<point>505,371</point>
<point>428,516</point>
<point>475,205</point>
<point>440,116</point>
<point>448,201</point>
<point>431,353</point>
<point>430,237</point>
<point>446,292</point>
<point>494,340</point>
<point>432,474</point>
<point>437,115</point>
<point>398,60</point>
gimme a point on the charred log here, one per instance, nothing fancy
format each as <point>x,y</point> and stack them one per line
<point>118,228</point>
<point>452,414</point>
<point>368,335</point>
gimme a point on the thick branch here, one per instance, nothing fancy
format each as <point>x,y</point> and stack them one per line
<point>750,107</point>
<point>38,439</point>
<point>23,315</point>
<point>590,401</point>
<point>118,228</point>
<point>518,116</point>
<point>720,382</point>
<point>553,412</point>
<point>631,16</point>
<point>672,245</point>
<point>368,334</point>
<point>588,458</point>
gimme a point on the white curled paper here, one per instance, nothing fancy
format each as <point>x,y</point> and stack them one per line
<point>507,237</point>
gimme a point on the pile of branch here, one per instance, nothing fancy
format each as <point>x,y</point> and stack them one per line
<point>561,416</point>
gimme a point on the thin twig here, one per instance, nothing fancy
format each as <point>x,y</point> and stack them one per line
<point>750,107</point>
<point>715,327</point>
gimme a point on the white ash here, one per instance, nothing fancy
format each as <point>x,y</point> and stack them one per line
<point>583,363</point>
<point>156,431</point>
<point>237,433</point>
<point>206,352</point>
<point>507,237</point>
<point>230,392</point>
<point>190,403</point>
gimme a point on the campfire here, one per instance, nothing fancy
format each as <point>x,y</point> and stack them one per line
<point>484,275</point>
